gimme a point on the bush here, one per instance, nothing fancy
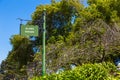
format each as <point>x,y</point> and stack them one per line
<point>97,71</point>
<point>91,72</point>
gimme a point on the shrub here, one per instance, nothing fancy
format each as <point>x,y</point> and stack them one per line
<point>97,71</point>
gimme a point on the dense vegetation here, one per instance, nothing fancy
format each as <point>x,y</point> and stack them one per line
<point>101,71</point>
<point>76,35</point>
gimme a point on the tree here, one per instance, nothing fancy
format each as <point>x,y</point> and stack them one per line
<point>60,17</point>
<point>22,51</point>
<point>108,9</point>
<point>87,39</point>
<point>20,55</point>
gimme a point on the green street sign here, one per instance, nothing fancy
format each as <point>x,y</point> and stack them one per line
<point>29,30</point>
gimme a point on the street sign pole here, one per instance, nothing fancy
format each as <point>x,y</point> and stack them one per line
<point>20,27</point>
<point>20,24</point>
<point>43,42</point>
<point>43,52</point>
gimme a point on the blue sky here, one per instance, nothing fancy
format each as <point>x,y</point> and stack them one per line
<point>10,10</point>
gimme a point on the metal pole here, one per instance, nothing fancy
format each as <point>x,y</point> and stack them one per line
<point>20,24</point>
<point>20,28</point>
<point>43,52</point>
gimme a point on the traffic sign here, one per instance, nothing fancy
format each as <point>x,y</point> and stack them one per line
<point>29,30</point>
